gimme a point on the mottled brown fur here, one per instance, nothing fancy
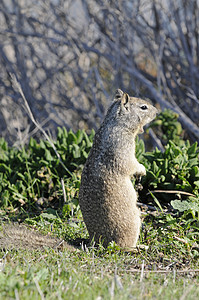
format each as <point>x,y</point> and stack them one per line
<point>107,197</point>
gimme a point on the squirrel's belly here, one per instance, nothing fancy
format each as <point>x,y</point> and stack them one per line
<point>111,214</point>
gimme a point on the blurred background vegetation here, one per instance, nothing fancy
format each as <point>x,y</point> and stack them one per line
<point>70,56</point>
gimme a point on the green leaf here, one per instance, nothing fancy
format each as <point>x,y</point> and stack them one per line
<point>156,201</point>
<point>48,155</point>
<point>76,151</point>
<point>42,144</point>
<point>162,178</point>
<point>85,154</point>
<point>151,175</point>
<point>196,183</point>
<point>65,132</point>
<point>192,149</point>
<point>3,144</point>
<point>182,206</point>
<point>92,134</point>
<point>71,138</point>
<point>193,162</point>
<point>48,216</point>
<point>59,133</point>
<point>165,166</point>
<point>79,136</point>
<point>32,143</point>
<point>194,172</point>
<point>88,143</point>
<point>4,168</point>
<point>154,168</point>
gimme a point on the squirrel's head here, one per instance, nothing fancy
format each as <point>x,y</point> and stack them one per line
<point>133,112</point>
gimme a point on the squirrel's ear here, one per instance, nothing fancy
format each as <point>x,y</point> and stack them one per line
<point>118,94</point>
<point>125,102</point>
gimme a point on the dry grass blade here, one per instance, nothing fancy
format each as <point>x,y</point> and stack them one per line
<point>39,289</point>
<point>172,192</point>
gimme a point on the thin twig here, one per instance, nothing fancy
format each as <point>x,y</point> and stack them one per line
<point>172,192</point>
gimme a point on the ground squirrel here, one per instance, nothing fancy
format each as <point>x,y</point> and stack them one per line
<point>107,197</point>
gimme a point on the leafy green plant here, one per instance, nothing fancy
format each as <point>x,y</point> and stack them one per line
<point>168,127</point>
<point>176,168</point>
<point>172,175</point>
<point>31,177</point>
<point>174,172</point>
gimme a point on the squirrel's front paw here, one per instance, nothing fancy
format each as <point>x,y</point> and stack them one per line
<point>141,171</point>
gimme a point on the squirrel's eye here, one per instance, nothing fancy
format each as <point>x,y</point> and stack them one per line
<point>144,107</point>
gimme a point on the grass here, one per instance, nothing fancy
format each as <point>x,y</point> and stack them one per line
<point>36,191</point>
<point>168,269</point>
<point>64,275</point>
